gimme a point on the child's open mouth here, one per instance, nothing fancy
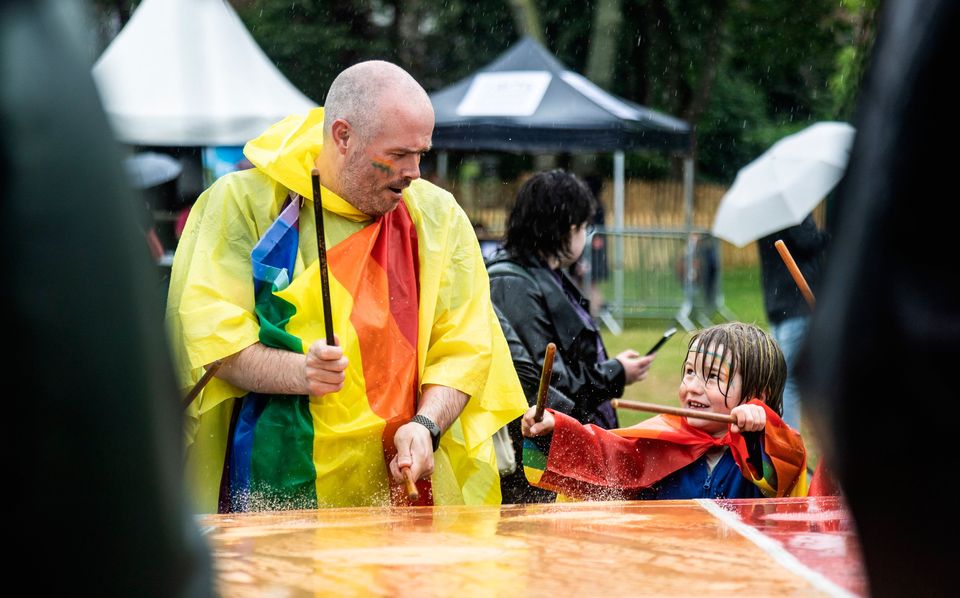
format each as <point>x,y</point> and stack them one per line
<point>696,405</point>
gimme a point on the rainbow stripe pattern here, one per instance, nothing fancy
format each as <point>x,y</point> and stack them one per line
<point>306,452</point>
<point>587,462</point>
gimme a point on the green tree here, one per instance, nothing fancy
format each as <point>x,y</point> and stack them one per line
<point>853,54</point>
<point>310,41</point>
<point>742,72</point>
<point>783,54</point>
<point>527,18</point>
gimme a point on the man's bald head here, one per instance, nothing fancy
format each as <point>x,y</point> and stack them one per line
<point>358,95</point>
<point>378,123</point>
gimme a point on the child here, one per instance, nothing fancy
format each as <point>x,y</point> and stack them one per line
<point>734,369</point>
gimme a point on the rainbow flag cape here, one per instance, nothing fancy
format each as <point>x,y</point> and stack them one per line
<point>411,307</point>
<point>588,462</point>
<point>284,454</point>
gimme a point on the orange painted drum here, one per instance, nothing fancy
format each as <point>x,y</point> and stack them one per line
<point>756,547</point>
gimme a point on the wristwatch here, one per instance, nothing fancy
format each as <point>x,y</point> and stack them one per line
<point>432,427</point>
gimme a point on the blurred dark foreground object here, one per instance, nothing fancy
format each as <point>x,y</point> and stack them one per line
<point>885,338</point>
<point>91,402</point>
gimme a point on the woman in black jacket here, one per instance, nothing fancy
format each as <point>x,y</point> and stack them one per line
<point>546,232</point>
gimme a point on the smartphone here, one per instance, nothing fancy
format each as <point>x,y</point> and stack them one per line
<point>666,336</point>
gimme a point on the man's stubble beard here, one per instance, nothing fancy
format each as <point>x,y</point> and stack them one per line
<point>355,189</point>
<point>349,182</point>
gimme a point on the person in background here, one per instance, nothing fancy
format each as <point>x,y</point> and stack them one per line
<point>704,272</point>
<point>546,232</point>
<point>787,310</point>
<point>488,243</point>
<point>599,268</point>
<point>513,483</point>
<point>96,484</point>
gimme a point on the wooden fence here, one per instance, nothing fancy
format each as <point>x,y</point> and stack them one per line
<point>647,204</point>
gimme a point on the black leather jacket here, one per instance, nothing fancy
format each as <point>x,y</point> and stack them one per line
<point>514,487</point>
<point>530,297</point>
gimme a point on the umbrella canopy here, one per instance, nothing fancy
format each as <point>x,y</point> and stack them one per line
<point>785,183</point>
<point>149,169</point>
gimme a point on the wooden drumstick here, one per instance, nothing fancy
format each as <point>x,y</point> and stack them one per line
<point>795,272</point>
<point>322,255</point>
<point>654,408</point>
<point>544,381</point>
<point>410,485</point>
<point>207,376</point>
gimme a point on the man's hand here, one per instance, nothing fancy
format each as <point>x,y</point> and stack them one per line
<point>324,368</point>
<point>635,367</point>
<point>267,370</point>
<point>414,450</point>
<point>531,428</point>
<point>750,418</point>
<point>441,405</point>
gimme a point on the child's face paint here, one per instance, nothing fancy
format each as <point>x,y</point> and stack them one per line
<point>706,379</point>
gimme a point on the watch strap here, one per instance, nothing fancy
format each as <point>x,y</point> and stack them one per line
<point>431,427</point>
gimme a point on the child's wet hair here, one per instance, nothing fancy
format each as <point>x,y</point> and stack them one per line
<point>749,351</point>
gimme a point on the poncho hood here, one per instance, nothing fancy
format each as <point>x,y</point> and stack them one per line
<point>287,153</point>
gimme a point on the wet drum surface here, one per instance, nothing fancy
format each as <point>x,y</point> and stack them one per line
<point>652,548</point>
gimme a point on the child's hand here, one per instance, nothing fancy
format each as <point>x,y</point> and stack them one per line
<point>531,428</point>
<point>750,418</point>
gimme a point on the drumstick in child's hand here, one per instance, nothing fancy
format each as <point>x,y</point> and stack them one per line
<point>653,408</point>
<point>544,381</point>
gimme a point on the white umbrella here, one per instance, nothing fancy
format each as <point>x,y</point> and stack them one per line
<point>148,169</point>
<point>782,186</point>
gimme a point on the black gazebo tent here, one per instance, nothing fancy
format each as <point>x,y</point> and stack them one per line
<point>527,101</point>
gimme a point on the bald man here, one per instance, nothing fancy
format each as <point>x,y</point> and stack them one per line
<point>420,377</point>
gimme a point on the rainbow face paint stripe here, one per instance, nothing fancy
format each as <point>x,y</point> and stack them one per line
<point>724,363</point>
<point>383,165</point>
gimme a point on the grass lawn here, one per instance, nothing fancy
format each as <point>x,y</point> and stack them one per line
<point>742,296</point>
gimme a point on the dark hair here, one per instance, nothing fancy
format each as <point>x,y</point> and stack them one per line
<point>750,352</point>
<point>547,205</point>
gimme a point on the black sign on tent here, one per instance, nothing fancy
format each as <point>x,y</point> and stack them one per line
<point>528,101</point>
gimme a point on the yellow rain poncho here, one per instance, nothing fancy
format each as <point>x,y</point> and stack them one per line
<point>212,313</point>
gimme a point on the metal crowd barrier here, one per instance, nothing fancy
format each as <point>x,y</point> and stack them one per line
<point>656,274</point>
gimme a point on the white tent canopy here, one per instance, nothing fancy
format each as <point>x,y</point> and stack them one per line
<point>188,73</point>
